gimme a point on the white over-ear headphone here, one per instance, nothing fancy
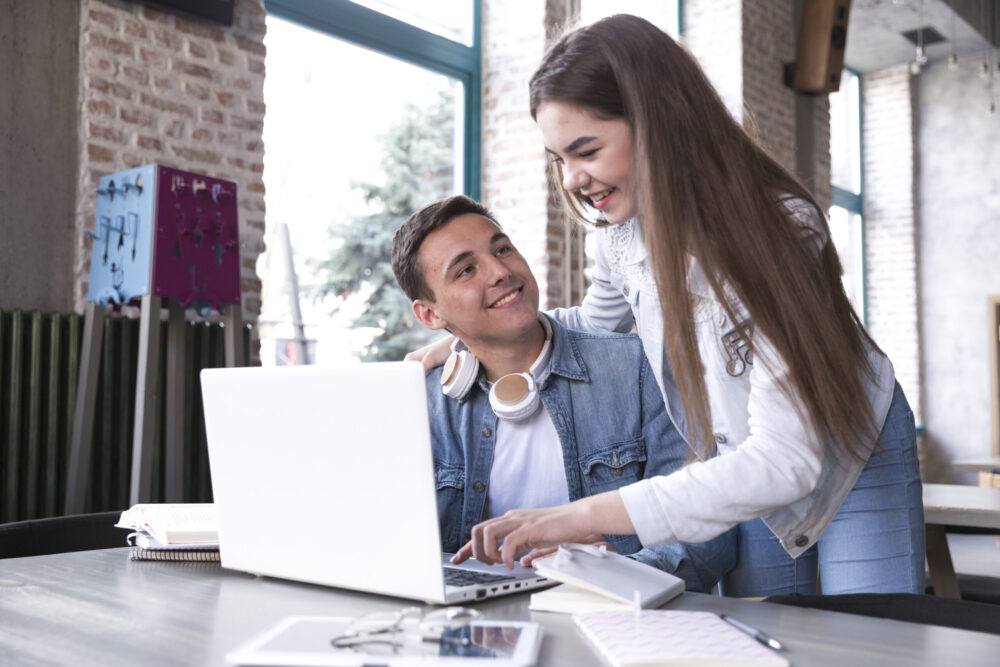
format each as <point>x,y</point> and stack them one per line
<point>513,397</point>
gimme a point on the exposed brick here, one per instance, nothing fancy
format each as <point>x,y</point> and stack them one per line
<point>228,138</point>
<point>249,45</point>
<point>225,56</point>
<point>212,116</point>
<point>225,98</point>
<point>192,69</point>
<point>201,135</point>
<point>156,15</point>
<point>114,89</point>
<point>100,108</point>
<point>163,83</point>
<point>100,153</point>
<point>255,107</point>
<point>174,129</point>
<point>151,143</point>
<point>136,29</point>
<point>113,45</point>
<point>139,76</point>
<point>255,65</point>
<point>152,58</point>
<point>107,19</point>
<point>197,50</point>
<point>166,104</point>
<point>197,91</point>
<point>200,155</point>
<point>112,134</point>
<point>168,38</point>
<point>200,28</point>
<point>240,123</point>
<point>136,117</point>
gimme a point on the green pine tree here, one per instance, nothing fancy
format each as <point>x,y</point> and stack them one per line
<point>418,158</point>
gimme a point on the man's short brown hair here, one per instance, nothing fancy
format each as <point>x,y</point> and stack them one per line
<point>411,234</point>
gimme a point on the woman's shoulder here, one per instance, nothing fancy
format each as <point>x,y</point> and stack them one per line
<point>807,217</point>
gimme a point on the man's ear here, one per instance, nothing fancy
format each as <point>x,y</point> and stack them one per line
<point>426,314</point>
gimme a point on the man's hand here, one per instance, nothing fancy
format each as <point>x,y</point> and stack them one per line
<point>521,530</point>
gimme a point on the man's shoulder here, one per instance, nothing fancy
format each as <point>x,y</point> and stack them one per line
<point>604,339</point>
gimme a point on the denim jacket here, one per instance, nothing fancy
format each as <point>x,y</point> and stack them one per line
<point>774,465</point>
<point>608,411</point>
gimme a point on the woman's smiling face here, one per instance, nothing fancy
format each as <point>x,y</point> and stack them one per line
<point>595,157</point>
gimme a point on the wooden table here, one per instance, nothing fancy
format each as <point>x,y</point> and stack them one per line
<point>100,608</point>
<point>954,505</point>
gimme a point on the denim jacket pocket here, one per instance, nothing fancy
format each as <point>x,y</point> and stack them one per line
<point>614,466</point>
<point>450,483</point>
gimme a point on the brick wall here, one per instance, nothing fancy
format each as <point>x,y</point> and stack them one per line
<point>713,32</point>
<point>890,208</point>
<point>768,43</point>
<point>513,162</point>
<point>156,86</point>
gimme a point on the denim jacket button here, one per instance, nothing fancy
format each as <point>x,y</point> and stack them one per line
<point>487,432</point>
<point>479,486</point>
<point>801,541</point>
<point>720,438</point>
<point>625,290</point>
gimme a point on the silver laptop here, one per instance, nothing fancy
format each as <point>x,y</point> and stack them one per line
<point>326,475</point>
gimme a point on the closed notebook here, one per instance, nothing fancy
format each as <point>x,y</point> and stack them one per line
<point>610,575</point>
<point>570,599</point>
<point>649,638</point>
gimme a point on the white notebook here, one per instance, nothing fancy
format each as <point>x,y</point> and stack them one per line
<point>650,638</point>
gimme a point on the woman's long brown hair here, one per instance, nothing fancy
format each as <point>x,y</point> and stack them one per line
<point>707,189</point>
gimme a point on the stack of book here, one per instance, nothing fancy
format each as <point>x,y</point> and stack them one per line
<point>180,531</point>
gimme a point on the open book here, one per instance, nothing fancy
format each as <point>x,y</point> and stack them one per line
<point>173,526</point>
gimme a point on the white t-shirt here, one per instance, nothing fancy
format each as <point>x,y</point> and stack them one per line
<point>528,469</point>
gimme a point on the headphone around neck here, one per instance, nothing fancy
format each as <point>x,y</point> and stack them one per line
<point>513,397</point>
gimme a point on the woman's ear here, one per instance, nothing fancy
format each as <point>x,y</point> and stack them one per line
<point>426,314</point>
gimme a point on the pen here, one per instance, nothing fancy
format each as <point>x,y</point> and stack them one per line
<point>763,638</point>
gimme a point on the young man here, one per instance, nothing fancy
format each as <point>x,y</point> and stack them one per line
<point>527,413</point>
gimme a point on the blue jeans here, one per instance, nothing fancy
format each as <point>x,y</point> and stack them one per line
<point>875,543</point>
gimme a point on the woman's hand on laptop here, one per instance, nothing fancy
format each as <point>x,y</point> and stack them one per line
<point>433,354</point>
<point>521,530</point>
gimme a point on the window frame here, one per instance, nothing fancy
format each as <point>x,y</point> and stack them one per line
<point>383,34</point>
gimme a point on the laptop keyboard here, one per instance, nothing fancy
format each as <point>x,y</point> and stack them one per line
<point>454,576</point>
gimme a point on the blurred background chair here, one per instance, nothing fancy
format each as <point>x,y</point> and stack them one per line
<point>75,532</point>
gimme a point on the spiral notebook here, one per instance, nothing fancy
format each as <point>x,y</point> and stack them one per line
<point>650,638</point>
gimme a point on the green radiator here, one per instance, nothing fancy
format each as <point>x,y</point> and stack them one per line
<point>39,363</point>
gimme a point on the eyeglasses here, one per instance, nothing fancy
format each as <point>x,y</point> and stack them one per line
<point>390,631</point>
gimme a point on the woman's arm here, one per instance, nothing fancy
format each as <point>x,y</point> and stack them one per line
<point>604,308</point>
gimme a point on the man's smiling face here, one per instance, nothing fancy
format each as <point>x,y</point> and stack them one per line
<point>483,290</point>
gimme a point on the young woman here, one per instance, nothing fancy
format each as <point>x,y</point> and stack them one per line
<point>723,262</point>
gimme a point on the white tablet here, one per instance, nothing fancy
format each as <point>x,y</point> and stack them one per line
<point>308,640</point>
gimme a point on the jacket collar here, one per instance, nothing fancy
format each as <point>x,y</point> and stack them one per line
<point>566,360</point>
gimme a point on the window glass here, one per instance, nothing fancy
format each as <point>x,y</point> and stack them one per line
<point>343,169</point>
<point>845,134</point>
<point>452,19</point>
<point>846,230</point>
